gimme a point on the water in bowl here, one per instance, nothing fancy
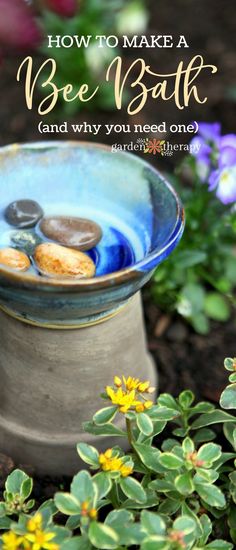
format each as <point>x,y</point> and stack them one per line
<point>119,248</point>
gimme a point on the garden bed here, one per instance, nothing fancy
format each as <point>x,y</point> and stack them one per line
<point>184,359</point>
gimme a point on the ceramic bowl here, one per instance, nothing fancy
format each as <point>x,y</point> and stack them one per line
<point>140,213</point>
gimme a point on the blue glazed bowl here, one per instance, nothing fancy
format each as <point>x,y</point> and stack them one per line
<point>140,214</point>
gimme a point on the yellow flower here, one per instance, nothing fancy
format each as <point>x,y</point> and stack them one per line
<point>148,404</point>
<point>117,381</point>
<point>111,463</point>
<point>41,540</point>
<point>38,538</point>
<point>131,383</point>
<point>127,398</point>
<point>123,399</point>
<point>35,523</point>
<point>11,541</point>
<point>126,470</point>
<point>85,506</point>
<point>139,408</point>
<point>103,457</point>
<point>143,387</point>
<point>93,513</point>
<point>86,512</point>
<point>135,384</point>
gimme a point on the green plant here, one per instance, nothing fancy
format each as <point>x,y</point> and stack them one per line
<point>175,492</point>
<point>88,64</point>
<point>198,279</point>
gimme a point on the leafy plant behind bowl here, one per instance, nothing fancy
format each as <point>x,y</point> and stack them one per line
<point>198,279</point>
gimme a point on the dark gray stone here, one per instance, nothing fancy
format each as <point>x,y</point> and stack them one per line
<point>23,213</point>
<point>26,241</point>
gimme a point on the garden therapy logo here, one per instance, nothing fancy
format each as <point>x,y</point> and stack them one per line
<point>153,146</point>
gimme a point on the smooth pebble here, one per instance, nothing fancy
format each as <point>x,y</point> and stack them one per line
<point>26,241</point>
<point>14,258</point>
<point>58,261</point>
<point>78,233</point>
<point>23,213</point>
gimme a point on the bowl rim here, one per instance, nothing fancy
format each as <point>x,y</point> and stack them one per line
<point>121,276</point>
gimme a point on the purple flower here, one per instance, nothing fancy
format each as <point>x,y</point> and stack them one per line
<point>209,131</point>
<point>216,160</point>
<point>224,182</point>
<point>203,144</point>
<point>227,156</point>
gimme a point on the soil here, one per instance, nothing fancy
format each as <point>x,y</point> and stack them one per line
<point>184,359</point>
<point>188,360</point>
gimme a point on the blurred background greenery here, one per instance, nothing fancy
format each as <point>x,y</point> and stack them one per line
<point>94,18</point>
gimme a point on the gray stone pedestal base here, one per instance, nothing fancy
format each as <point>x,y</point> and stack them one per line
<point>50,382</point>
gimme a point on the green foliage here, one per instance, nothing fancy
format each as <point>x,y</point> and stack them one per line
<point>198,279</point>
<point>18,489</point>
<point>88,65</point>
<point>179,494</point>
<point>228,397</point>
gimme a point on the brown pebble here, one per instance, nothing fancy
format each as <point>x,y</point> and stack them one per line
<point>14,258</point>
<point>78,233</point>
<point>58,261</point>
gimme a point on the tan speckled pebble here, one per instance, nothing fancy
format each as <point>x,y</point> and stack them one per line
<point>14,258</point>
<point>55,260</point>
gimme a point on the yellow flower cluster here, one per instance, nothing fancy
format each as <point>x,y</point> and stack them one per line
<point>128,392</point>
<point>110,462</point>
<point>86,511</point>
<point>133,384</point>
<point>34,539</point>
<point>11,541</point>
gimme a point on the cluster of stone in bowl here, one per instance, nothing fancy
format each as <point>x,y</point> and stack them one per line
<point>66,241</point>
